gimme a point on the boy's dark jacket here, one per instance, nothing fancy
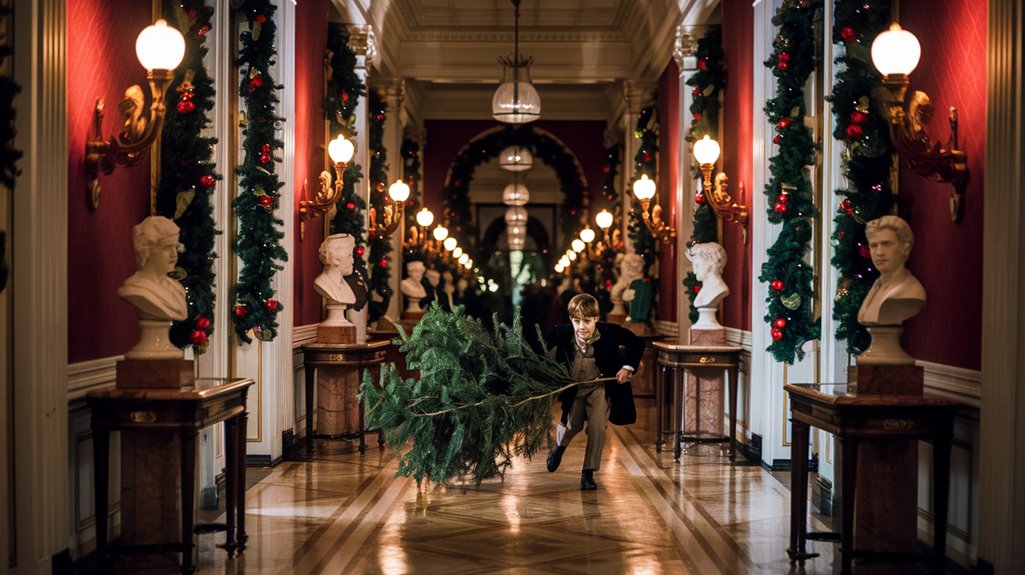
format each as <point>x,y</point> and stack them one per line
<point>616,347</point>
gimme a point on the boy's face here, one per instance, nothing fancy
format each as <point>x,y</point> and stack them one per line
<point>584,327</point>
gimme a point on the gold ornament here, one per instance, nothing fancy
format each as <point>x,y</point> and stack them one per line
<point>791,302</point>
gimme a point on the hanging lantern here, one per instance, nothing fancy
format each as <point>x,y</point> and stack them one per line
<point>515,194</point>
<point>516,101</point>
<point>516,215</point>
<point>515,159</point>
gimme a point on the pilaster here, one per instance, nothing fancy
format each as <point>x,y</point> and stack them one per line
<point>684,49</point>
<point>394,98</point>
<point>638,94</point>
<point>361,40</point>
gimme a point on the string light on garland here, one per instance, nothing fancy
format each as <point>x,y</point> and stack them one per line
<point>789,190</point>
<point>380,244</point>
<point>257,242</point>
<point>645,163</point>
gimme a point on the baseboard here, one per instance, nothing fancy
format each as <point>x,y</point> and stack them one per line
<point>777,465</point>
<point>261,461</point>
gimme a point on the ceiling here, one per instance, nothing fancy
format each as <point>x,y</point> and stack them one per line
<point>447,51</point>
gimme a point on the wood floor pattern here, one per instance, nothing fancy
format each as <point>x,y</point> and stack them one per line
<point>650,515</point>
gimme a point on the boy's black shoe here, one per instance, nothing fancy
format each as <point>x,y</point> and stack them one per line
<point>587,480</point>
<point>555,458</point>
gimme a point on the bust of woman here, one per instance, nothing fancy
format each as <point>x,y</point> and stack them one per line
<point>412,287</point>
<point>895,297</point>
<point>336,255</point>
<point>709,260</point>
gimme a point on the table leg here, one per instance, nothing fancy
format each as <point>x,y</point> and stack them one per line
<point>734,375</point>
<point>310,380</point>
<point>240,486</point>
<point>799,491</point>
<point>679,399</point>
<point>848,481</point>
<point>101,477</point>
<point>188,478</point>
<point>660,406</point>
<point>941,492</point>
<point>230,482</point>
<point>362,426</point>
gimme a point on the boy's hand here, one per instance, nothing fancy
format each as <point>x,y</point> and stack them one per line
<point>624,375</point>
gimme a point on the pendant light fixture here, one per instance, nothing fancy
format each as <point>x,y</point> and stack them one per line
<point>516,101</point>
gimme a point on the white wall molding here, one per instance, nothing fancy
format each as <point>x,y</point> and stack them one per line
<point>304,334</point>
<point>957,382</point>
<point>739,337</point>
<point>86,376</point>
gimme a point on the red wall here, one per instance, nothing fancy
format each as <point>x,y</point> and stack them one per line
<point>311,20</point>
<point>446,137</point>
<point>947,256</point>
<point>102,64</point>
<point>668,181</point>
<point>737,145</point>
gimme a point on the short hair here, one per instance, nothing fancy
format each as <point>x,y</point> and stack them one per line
<point>709,252</point>
<point>336,246</point>
<point>583,305</point>
<point>150,233</point>
<point>895,224</point>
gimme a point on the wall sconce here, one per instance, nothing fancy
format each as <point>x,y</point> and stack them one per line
<point>398,193</point>
<point>644,189</point>
<point>160,48</point>
<point>604,220</point>
<point>895,54</point>
<point>340,150</point>
<point>706,152</point>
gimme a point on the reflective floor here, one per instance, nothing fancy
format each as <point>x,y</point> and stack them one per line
<point>650,515</point>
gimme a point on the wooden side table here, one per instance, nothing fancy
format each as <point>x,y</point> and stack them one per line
<point>184,411</point>
<point>852,418</point>
<point>356,356</point>
<point>674,360</point>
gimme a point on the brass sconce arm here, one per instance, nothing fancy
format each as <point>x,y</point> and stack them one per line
<point>160,48</point>
<point>939,162</point>
<point>397,195</point>
<point>719,199</point>
<point>327,195</point>
<point>652,217</point>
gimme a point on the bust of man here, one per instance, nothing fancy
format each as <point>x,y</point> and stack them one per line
<point>631,268</point>
<point>708,260</point>
<point>896,295</point>
<point>157,296</point>
<point>449,290</point>
<point>336,255</point>
<point>412,287</point>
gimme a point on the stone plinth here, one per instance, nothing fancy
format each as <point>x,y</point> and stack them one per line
<point>337,405</point>
<point>704,396</point>
<point>154,373</point>
<point>150,495</point>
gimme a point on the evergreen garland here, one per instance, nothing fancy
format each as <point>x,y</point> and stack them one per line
<point>187,173</point>
<point>9,155</point>
<point>344,89</point>
<point>866,162</point>
<point>257,243</point>
<point>411,174</point>
<point>790,303</point>
<point>708,85</point>
<point>380,246</point>
<point>645,162</point>
<point>606,260</point>
<point>458,216</point>
<point>468,414</point>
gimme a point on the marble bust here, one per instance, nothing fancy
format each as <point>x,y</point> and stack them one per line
<point>448,290</point>
<point>708,260</point>
<point>159,299</point>
<point>336,255</point>
<point>630,268</point>
<point>412,287</point>
<point>896,295</point>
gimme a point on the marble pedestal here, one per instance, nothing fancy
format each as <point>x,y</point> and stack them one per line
<point>704,402</point>
<point>337,406</point>
<point>150,495</point>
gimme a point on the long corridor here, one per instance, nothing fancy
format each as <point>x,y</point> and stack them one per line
<point>347,514</point>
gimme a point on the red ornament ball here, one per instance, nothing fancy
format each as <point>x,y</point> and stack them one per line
<point>776,285</point>
<point>240,311</point>
<point>260,18</point>
<point>777,139</point>
<point>697,289</point>
<point>848,34</point>
<point>207,181</point>
<point>266,201</point>
<point>186,107</point>
<point>784,57</point>
<point>855,132</point>
<point>780,208</point>
<point>864,251</point>
<point>779,323</point>
<point>265,158</point>
<point>783,123</point>
<point>858,117</point>
<point>702,64</point>
<point>383,262</point>
<point>202,322</point>
<point>782,66</point>
<point>187,95</point>
<point>696,91</point>
<point>360,250</point>
<point>265,148</point>
<point>198,337</point>
<point>845,205</point>
<point>345,96</point>
<point>350,206</point>
<point>192,14</point>
<point>697,116</point>
<point>777,334</point>
<point>647,155</point>
<point>256,80</point>
<point>783,198</point>
<point>203,31</point>
<point>699,199</point>
<point>606,168</point>
<point>272,304</point>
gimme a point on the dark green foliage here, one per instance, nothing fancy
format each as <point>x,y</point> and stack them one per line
<point>605,263</point>
<point>257,243</point>
<point>187,172</point>
<point>9,155</point>
<point>645,162</point>
<point>457,216</point>
<point>707,86</point>
<point>380,246</point>
<point>866,162</point>
<point>789,189</point>
<point>411,175</point>
<point>482,398</point>
<point>344,89</point>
